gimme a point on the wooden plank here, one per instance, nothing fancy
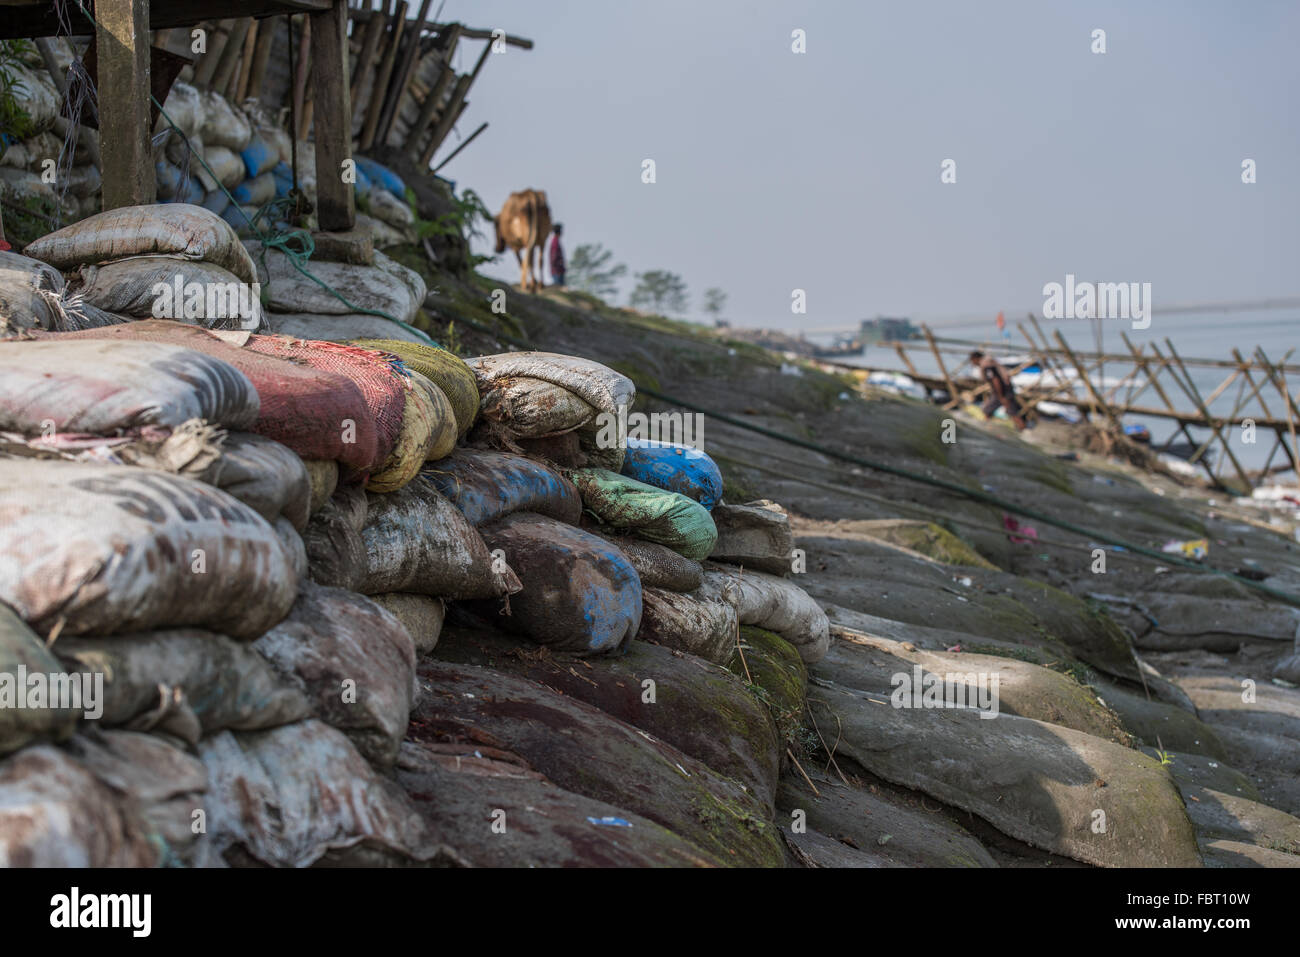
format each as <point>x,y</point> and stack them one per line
<point>300,81</point>
<point>335,204</point>
<point>42,20</point>
<point>464,143</point>
<point>954,396</point>
<point>455,106</point>
<point>123,56</point>
<point>380,88</point>
<point>430,106</point>
<point>261,58</point>
<point>409,58</point>
<point>1189,387</point>
<point>374,29</point>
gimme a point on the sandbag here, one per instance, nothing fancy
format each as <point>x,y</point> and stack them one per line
<point>184,105</point>
<point>353,661</point>
<point>444,369</point>
<point>160,784</point>
<point>316,413</point>
<point>580,594</point>
<point>336,553</point>
<point>22,657</point>
<point>755,535</point>
<point>382,385</point>
<point>487,485</point>
<point>27,287</point>
<point>386,286</point>
<point>381,234</point>
<point>185,682</point>
<point>223,124</point>
<point>348,327</point>
<point>68,384</point>
<point>776,605</point>
<point>105,549</point>
<point>259,156</point>
<point>35,92</point>
<point>700,623</point>
<point>323,476</point>
<point>648,512</point>
<point>257,191</point>
<point>659,566</point>
<point>428,433</point>
<point>298,795</point>
<point>387,208</point>
<point>596,384</point>
<point>216,200</point>
<point>676,468</point>
<point>55,813</point>
<point>417,541</point>
<point>165,287</point>
<point>421,615</point>
<point>530,408</point>
<point>226,165</point>
<point>382,175</point>
<point>175,229</point>
<point>266,476</point>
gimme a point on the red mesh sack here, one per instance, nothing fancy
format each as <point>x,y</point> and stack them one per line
<point>304,407</point>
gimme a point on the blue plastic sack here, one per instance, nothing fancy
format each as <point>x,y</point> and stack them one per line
<point>382,176</point>
<point>216,200</point>
<point>363,184</point>
<point>487,485</point>
<point>187,191</point>
<point>259,156</point>
<point>676,468</point>
<point>283,174</point>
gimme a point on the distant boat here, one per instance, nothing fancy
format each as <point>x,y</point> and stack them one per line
<point>887,330</point>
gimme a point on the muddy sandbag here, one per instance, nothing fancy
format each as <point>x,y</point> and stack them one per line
<point>755,535</point>
<point>336,553</point>
<point>349,327</point>
<point>185,682</point>
<point>659,566</point>
<point>387,286</point>
<point>486,485</point>
<point>28,668</point>
<point>265,475</point>
<point>174,229</point>
<point>580,593</point>
<point>317,413</point>
<point>651,513</point>
<point>64,384</point>
<point>417,541</point>
<point>533,409</point>
<point>428,434</point>
<point>302,795</point>
<point>159,784</point>
<point>421,615</point>
<point>167,287</point>
<point>257,191</point>
<point>444,369</point>
<point>323,477</point>
<point>33,89</point>
<point>777,605</point>
<point>223,124</point>
<point>353,661</point>
<point>184,104</point>
<point>584,750</point>
<point>676,468</point>
<point>700,622</point>
<point>387,208</point>
<point>597,385</point>
<point>104,549</point>
<point>55,813</point>
<point>27,290</point>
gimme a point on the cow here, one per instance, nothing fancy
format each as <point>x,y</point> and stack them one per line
<point>523,224</point>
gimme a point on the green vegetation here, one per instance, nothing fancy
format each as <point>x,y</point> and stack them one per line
<point>659,291</point>
<point>590,272</point>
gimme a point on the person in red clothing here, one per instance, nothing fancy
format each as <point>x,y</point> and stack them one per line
<point>556,254</point>
<point>1001,391</point>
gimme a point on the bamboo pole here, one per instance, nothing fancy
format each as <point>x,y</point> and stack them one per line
<point>261,57</point>
<point>953,394</point>
<point>379,91</point>
<point>403,74</point>
<point>1290,403</point>
<point>455,106</point>
<point>469,139</point>
<point>246,64</point>
<point>230,55</point>
<point>1194,394</point>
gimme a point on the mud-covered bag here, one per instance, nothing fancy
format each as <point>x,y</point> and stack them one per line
<point>580,593</point>
<point>676,468</point>
<point>530,408</point>
<point>336,553</point>
<point>444,369</point>
<point>658,565</point>
<point>264,475</point>
<point>487,485</point>
<point>774,604</point>
<point>167,287</point>
<point>66,384</point>
<point>174,229</point>
<point>417,541</point>
<point>334,637</point>
<point>700,623</point>
<point>103,549</point>
<point>428,434</point>
<point>24,659</point>
<point>387,286</point>
<point>651,513</point>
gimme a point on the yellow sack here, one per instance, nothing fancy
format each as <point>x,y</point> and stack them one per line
<point>428,432</point>
<point>444,369</point>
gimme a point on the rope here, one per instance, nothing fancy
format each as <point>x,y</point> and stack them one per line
<point>297,245</point>
<point>973,494</point>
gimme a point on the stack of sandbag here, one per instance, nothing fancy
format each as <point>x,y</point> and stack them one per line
<point>299,306</point>
<point>541,397</point>
<point>174,261</point>
<point>33,295</point>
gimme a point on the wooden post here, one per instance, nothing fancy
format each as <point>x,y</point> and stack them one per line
<point>261,57</point>
<point>454,107</point>
<point>1291,410</point>
<point>335,203</point>
<point>240,83</point>
<point>300,81</point>
<point>1097,400</point>
<point>430,105</point>
<point>374,29</point>
<point>469,139</point>
<point>230,55</point>
<point>205,68</point>
<point>380,88</point>
<point>403,74</point>
<point>122,47</point>
<point>953,394</point>
<point>1189,387</point>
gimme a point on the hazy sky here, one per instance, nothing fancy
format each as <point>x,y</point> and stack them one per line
<point>821,170</point>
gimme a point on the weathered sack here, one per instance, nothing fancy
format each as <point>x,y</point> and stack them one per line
<point>428,433</point>
<point>676,468</point>
<point>333,637</point>
<point>776,605</point>
<point>336,553</point>
<point>22,656</point>
<point>348,327</point>
<point>651,513</point>
<point>67,384</point>
<point>265,475</point>
<point>532,409</point>
<point>444,369</point>
<point>658,565</point>
<point>700,623</point>
<point>174,229</point>
<point>417,541</point>
<point>387,286</point>
<point>422,615</point>
<point>169,287</point>
<point>580,593</point>
<point>104,549</point>
<point>487,485</point>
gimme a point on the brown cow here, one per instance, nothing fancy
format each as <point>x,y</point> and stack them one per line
<point>524,223</point>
